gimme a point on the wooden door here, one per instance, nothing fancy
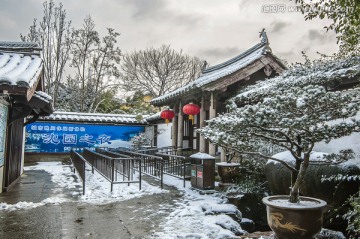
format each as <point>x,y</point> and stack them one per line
<point>13,156</point>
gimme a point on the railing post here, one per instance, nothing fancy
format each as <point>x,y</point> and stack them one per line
<point>128,171</point>
<point>184,170</point>
<point>112,174</point>
<point>140,175</point>
<point>92,163</point>
<point>162,174</point>
<point>84,179</point>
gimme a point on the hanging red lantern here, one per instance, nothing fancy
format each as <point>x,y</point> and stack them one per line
<point>191,110</point>
<point>167,115</point>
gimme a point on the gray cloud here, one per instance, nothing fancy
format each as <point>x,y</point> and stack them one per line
<point>226,53</point>
<point>278,26</point>
<point>159,11</point>
<point>145,8</point>
<point>16,17</point>
<point>210,29</point>
<point>245,3</point>
<point>285,55</point>
<point>320,36</point>
<point>315,35</point>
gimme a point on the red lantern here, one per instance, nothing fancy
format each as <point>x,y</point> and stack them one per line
<point>191,110</point>
<point>167,115</point>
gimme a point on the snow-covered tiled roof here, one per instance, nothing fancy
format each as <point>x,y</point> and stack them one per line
<point>19,69</point>
<point>216,72</point>
<point>43,96</point>
<point>19,46</point>
<point>93,117</point>
<point>153,117</point>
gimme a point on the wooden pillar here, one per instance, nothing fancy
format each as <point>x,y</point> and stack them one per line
<point>202,141</point>
<point>212,114</point>
<point>174,131</point>
<point>180,127</point>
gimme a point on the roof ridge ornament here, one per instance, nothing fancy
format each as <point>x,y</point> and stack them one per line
<point>263,36</point>
<point>204,66</point>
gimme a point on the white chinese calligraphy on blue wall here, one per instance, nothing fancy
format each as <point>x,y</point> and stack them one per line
<point>61,137</point>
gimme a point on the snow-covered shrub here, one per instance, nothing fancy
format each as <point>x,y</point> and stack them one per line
<point>353,217</point>
<point>139,140</point>
<point>352,205</point>
<point>293,112</point>
<point>251,177</point>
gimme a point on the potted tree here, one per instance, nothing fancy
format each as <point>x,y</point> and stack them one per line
<point>293,112</point>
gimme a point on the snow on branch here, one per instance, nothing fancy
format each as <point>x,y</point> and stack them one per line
<point>328,73</point>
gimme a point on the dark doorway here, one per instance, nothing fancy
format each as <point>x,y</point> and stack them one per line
<point>13,155</point>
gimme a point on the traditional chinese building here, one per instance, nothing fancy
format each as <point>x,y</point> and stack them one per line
<point>21,97</point>
<point>211,90</point>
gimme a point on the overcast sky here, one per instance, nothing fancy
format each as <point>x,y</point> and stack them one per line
<point>215,30</point>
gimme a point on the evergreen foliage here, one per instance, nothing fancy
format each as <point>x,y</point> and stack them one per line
<point>293,112</point>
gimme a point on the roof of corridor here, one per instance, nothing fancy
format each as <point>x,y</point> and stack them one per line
<point>21,77</point>
<point>214,73</point>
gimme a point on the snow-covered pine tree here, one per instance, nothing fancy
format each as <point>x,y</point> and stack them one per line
<point>293,112</point>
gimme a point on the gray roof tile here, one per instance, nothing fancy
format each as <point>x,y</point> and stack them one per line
<point>19,70</point>
<point>93,117</point>
<point>216,72</point>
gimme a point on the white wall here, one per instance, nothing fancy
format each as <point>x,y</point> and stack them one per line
<point>164,139</point>
<point>186,144</point>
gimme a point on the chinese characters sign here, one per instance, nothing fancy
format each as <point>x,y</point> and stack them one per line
<point>61,137</point>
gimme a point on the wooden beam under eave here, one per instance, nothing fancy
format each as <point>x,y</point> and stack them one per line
<point>13,90</point>
<point>30,92</point>
<point>275,65</point>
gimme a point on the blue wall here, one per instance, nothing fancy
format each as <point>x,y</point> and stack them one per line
<point>61,137</point>
<point>3,121</point>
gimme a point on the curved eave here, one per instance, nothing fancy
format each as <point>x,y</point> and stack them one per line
<point>214,73</point>
<point>235,59</point>
<point>217,74</point>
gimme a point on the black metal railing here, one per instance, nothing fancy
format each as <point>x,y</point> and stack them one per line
<point>119,169</point>
<point>169,150</point>
<point>186,152</point>
<point>153,151</point>
<point>151,165</point>
<point>176,166</point>
<point>126,168</point>
<point>79,165</point>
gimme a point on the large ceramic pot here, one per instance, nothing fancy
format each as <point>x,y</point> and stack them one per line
<point>228,172</point>
<point>301,220</point>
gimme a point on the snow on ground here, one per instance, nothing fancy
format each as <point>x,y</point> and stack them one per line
<point>198,216</point>
<point>195,216</point>
<point>30,205</point>
<point>97,188</point>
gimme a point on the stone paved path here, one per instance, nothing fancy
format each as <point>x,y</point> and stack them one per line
<point>135,218</point>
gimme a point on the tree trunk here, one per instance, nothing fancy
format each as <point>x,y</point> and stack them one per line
<point>294,191</point>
